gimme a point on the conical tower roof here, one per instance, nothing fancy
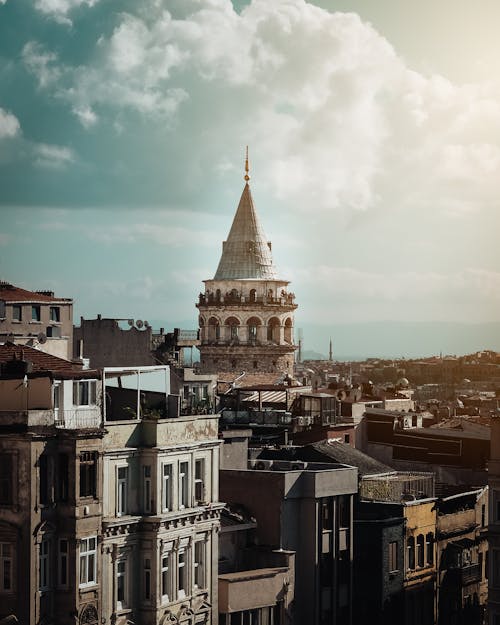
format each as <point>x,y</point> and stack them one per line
<point>246,254</point>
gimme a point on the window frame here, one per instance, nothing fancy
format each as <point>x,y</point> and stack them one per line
<point>19,309</point>
<point>57,315</point>
<point>44,564</point>
<point>6,479</point>
<point>85,556</point>
<point>87,474</point>
<point>122,485</point>
<point>166,577</point>
<point>36,313</point>
<point>199,481</point>
<point>184,486</point>
<point>146,578</point>
<point>167,477</point>
<point>122,604</point>
<point>147,488</point>
<point>199,560</point>
<point>6,558</point>
<point>63,563</point>
<point>85,393</point>
<point>393,556</point>
<point>182,571</point>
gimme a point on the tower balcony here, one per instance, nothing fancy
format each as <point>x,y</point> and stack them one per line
<point>237,299</point>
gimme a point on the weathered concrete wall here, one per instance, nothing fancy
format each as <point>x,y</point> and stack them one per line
<point>37,394</point>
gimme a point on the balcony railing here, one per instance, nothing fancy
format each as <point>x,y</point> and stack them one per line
<point>288,299</point>
<point>78,418</point>
<point>471,573</point>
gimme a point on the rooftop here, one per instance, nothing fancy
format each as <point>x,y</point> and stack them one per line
<point>11,293</point>
<point>41,361</point>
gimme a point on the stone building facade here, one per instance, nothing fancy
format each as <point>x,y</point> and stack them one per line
<point>106,516</point>
<point>246,314</point>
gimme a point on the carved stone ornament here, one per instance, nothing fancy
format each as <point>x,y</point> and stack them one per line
<point>89,615</point>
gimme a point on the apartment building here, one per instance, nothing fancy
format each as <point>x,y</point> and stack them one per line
<point>109,506</point>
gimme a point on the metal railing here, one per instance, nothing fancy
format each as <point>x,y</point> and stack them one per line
<point>80,418</point>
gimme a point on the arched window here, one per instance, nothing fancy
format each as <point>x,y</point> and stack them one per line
<point>420,550</point>
<point>217,296</point>
<point>253,295</point>
<point>288,331</point>
<point>253,323</point>
<point>273,330</point>
<point>213,329</point>
<point>410,549</point>
<point>233,324</point>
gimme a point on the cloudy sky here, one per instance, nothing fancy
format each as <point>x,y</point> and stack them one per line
<point>374,134</point>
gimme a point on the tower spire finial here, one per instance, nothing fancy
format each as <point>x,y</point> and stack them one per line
<point>247,177</point>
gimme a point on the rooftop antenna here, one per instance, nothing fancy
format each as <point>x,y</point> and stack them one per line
<point>247,169</point>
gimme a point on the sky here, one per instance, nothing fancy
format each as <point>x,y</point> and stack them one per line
<point>374,137</point>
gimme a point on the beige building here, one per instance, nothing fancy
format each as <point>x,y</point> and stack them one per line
<point>36,318</point>
<point>246,314</point>
<point>109,506</point>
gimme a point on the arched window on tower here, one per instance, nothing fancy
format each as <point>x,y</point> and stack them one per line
<point>253,323</point>
<point>253,295</point>
<point>213,329</point>
<point>273,330</point>
<point>233,325</point>
<point>288,331</point>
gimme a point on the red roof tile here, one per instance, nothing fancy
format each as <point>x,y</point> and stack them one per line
<point>11,293</point>
<point>41,360</point>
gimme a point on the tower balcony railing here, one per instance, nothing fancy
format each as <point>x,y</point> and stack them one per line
<point>288,299</point>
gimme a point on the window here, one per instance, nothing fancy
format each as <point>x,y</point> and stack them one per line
<point>147,578</point>
<point>62,567</point>
<point>44,483</point>
<point>56,395</point>
<point>393,556</point>
<point>166,492</point>
<point>183,485</point>
<point>429,548</point>
<point>88,560</point>
<point>165,577</point>
<point>55,314</point>
<point>410,547</point>
<point>252,333</point>
<point>62,478</point>
<point>121,584</point>
<point>121,490</point>
<point>6,576</point>
<point>199,564</point>
<point>181,574</point>
<point>17,312</point>
<point>420,550</point>
<point>35,313</point>
<point>234,332</point>
<point>44,564</point>
<point>88,473</point>
<point>199,480</point>
<point>6,471</point>
<point>84,393</point>
<point>147,489</point>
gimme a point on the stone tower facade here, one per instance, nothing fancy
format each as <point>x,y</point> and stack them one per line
<point>246,312</point>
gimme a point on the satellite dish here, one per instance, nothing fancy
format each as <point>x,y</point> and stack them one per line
<point>41,338</point>
<point>139,323</point>
<point>146,324</point>
<point>130,322</point>
<point>341,395</point>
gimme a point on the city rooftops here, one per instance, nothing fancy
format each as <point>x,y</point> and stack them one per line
<point>14,294</point>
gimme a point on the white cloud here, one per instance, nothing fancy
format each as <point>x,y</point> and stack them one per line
<point>9,124</point>
<point>342,123</point>
<point>59,9</point>
<point>53,156</point>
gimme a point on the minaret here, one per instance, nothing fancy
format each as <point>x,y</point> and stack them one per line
<point>246,312</point>
<point>330,353</point>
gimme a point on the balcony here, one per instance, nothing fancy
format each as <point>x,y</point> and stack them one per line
<point>470,574</point>
<point>287,299</point>
<point>78,418</point>
<point>246,590</point>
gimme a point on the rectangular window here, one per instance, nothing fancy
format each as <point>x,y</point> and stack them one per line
<point>420,550</point>
<point>199,481</point>
<point>88,473</point>
<point>183,485</point>
<point>44,564</point>
<point>165,577</point>
<point>55,314</point>
<point>147,578</point>
<point>35,313</point>
<point>429,548</point>
<point>393,556</point>
<point>121,584</point>
<point>6,471</point>
<point>88,561</point>
<point>63,562</point>
<point>166,494</point>
<point>43,465</point>
<point>199,564</point>
<point>62,478</point>
<point>181,574</point>
<point>17,312</point>
<point>85,393</point>
<point>56,395</point>
<point>6,576</point>
<point>121,491</point>
<point>147,489</point>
